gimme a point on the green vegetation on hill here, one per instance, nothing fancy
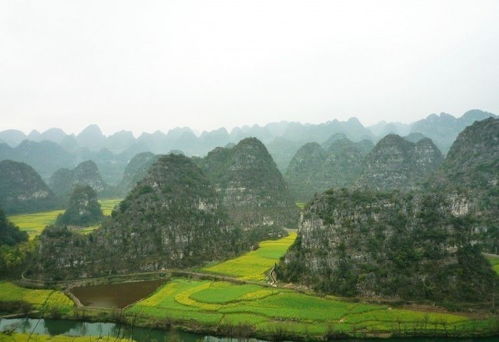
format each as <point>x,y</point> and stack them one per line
<point>63,181</point>
<point>362,243</point>
<point>13,259</point>
<point>10,234</point>
<point>398,164</point>
<point>470,176</point>
<point>315,168</point>
<point>252,188</point>
<point>22,190</point>
<point>172,218</point>
<point>83,210</point>
<point>13,246</point>
<point>135,171</point>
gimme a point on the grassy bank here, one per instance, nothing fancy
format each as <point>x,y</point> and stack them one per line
<point>34,223</point>
<point>52,302</point>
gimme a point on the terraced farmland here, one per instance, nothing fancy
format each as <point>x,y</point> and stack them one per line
<point>45,300</point>
<point>254,264</point>
<point>268,310</point>
<point>35,223</point>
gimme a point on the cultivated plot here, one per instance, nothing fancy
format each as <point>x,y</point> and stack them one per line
<point>270,309</point>
<point>35,223</point>
<point>253,265</point>
<point>45,300</point>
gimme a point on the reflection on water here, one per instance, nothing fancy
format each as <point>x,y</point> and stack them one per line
<point>77,328</point>
<point>115,295</point>
<point>61,327</point>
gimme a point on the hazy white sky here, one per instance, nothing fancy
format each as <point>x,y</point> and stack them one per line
<point>156,64</point>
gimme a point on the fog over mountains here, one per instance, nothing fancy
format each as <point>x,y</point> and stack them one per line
<point>54,149</point>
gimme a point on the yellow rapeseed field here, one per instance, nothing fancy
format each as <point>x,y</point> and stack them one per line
<point>253,265</point>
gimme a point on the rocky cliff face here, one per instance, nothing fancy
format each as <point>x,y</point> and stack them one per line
<point>250,185</point>
<point>63,181</point>
<point>366,243</point>
<point>83,210</point>
<point>470,177</point>
<point>136,170</point>
<point>22,189</point>
<point>396,163</point>
<point>172,218</point>
<point>473,160</point>
<point>315,168</point>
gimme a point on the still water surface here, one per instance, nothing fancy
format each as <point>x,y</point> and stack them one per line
<point>115,295</point>
<point>78,328</point>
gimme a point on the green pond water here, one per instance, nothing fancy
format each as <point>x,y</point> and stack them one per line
<point>78,328</point>
<point>115,295</point>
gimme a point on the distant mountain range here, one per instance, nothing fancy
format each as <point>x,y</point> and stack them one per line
<point>53,149</point>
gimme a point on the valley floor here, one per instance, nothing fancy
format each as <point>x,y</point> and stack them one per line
<point>34,223</point>
<point>249,306</point>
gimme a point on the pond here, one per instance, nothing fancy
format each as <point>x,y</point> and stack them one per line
<point>115,295</point>
<point>78,328</point>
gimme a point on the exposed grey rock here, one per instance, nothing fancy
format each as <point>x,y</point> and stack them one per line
<point>470,174</point>
<point>172,218</point>
<point>363,243</point>
<point>250,185</point>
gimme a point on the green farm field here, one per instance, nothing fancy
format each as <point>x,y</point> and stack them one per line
<point>300,205</point>
<point>44,300</point>
<point>108,205</point>
<point>34,223</point>
<point>254,264</point>
<point>267,310</point>
<point>494,262</point>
